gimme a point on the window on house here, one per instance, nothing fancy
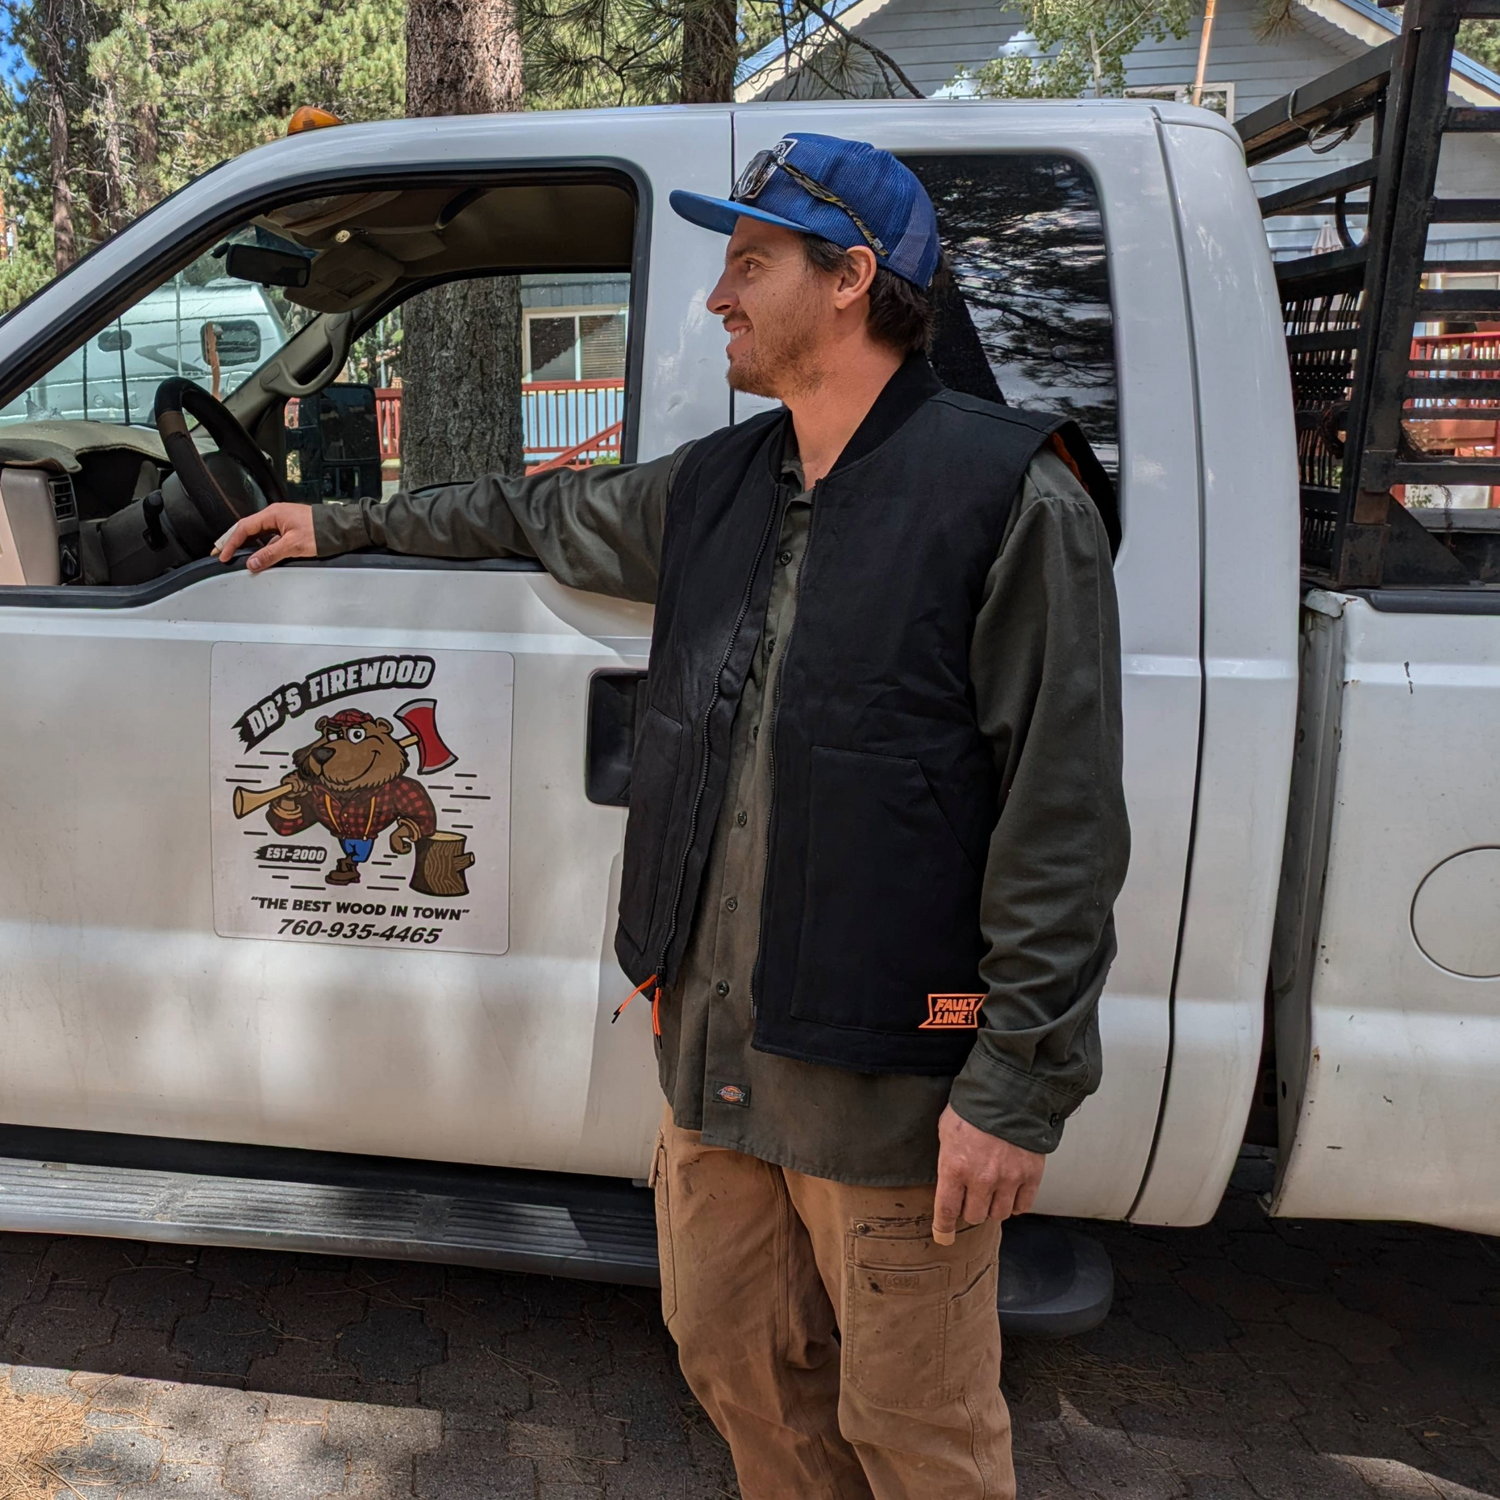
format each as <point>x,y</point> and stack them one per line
<point>1027,318</point>
<point>575,343</point>
<point>1218,97</point>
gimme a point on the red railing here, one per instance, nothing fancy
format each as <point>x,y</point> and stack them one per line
<point>567,422</point>
<point>388,421</point>
<point>1460,436</point>
<point>571,422</point>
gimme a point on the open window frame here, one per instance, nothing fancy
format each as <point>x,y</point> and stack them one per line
<point>303,356</point>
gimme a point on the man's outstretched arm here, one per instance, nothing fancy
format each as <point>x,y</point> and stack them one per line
<point>598,528</point>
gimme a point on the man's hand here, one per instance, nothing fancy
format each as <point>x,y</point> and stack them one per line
<point>294,536</point>
<point>980,1177</point>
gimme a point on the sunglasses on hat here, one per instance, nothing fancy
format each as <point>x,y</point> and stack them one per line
<point>751,183</point>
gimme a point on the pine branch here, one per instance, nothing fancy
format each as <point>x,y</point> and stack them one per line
<point>882,57</point>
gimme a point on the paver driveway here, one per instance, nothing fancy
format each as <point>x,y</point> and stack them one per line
<point>1246,1359</point>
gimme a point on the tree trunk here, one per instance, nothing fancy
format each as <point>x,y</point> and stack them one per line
<point>461,342</point>
<point>114,165</point>
<point>147,142</point>
<point>53,19</point>
<point>710,51</point>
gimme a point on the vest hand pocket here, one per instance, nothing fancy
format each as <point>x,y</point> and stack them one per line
<point>890,913</point>
<point>653,778</point>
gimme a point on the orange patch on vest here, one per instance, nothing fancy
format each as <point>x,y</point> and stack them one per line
<point>947,1011</point>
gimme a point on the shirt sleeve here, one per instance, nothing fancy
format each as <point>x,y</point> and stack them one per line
<point>1045,664</point>
<point>598,528</point>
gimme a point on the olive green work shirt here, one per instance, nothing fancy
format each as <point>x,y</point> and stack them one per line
<point>1045,668</point>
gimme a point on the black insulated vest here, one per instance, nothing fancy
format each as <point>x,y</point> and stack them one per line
<point>884,793</point>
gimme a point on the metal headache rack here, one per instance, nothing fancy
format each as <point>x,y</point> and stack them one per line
<point>1381,408</point>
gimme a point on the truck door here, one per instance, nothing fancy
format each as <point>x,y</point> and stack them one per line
<point>184,950</point>
<point>1066,266</point>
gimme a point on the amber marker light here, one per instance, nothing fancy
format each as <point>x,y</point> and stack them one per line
<point>310,117</point>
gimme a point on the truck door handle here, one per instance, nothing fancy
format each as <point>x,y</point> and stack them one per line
<point>616,699</point>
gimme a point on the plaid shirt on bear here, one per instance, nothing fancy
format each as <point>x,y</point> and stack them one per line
<point>361,814</point>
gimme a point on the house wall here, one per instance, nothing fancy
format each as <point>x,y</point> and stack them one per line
<point>933,39</point>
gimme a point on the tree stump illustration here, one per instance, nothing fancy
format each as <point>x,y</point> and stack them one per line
<point>438,869</point>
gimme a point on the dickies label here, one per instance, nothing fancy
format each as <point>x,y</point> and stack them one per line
<point>947,1012</point>
<point>733,1093</point>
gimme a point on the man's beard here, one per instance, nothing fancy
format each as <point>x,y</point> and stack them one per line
<point>782,363</point>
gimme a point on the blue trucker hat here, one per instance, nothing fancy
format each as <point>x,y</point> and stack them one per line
<point>846,191</point>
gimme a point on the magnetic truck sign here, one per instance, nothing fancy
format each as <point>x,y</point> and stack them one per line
<point>362,798</point>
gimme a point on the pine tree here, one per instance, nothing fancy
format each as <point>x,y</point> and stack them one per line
<point>461,341</point>
<point>121,104</point>
<point>1084,44</point>
<point>586,53</point>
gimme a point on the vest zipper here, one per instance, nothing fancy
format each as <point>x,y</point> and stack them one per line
<point>765,883</point>
<point>734,635</point>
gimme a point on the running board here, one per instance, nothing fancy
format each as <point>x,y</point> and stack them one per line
<point>1054,1281</point>
<point>597,1233</point>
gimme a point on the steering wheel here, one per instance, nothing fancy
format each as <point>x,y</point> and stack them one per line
<point>221,492</point>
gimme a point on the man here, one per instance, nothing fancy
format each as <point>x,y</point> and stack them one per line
<point>876,829</point>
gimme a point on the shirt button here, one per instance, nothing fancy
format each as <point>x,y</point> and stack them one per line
<point>741,818</point>
<point>722,987</point>
<point>732,904</point>
<point>785,558</point>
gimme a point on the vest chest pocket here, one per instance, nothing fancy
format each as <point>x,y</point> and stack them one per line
<point>890,913</point>
<point>653,779</point>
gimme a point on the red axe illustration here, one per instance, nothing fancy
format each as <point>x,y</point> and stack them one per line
<point>419,716</point>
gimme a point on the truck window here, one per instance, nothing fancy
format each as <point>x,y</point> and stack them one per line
<point>1027,319</point>
<point>203,323</point>
<point>322,324</point>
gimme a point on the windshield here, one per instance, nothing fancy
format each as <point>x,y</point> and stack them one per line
<point>211,327</point>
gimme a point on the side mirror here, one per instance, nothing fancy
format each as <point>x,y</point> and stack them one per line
<point>112,340</point>
<point>266,267</point>
<point>236,342</point>
<point>333,449</point>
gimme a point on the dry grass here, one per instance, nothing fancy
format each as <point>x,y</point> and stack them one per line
<point>32,1429</point>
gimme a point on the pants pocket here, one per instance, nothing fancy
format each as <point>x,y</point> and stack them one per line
<point>664,1255</point>
<point>973,1355</point>
<point>894,1326</point>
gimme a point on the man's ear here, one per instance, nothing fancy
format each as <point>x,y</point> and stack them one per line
<point>854,280</point>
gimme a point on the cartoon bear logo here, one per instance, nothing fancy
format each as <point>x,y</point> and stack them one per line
<point>352,779</point>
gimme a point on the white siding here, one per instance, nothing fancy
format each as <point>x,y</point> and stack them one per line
<point>933,39</point>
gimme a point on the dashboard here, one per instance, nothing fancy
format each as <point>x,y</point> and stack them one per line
<point>58,481</point>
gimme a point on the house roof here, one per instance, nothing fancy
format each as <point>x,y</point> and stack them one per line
<point>1361,19</point>
<point>1372,25</point>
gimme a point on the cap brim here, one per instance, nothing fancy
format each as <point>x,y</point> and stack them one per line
<point>722,214</point>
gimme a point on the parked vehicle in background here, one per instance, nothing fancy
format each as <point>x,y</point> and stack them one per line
<point>202,324</point>
<point>220,1044</point>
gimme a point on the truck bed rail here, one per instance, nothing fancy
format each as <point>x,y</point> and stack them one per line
<point>1382,429</point>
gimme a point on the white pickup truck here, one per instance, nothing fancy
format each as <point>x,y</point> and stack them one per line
<point>203,1038</point>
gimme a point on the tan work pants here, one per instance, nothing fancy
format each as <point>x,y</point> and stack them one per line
<point>840,1352</point>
